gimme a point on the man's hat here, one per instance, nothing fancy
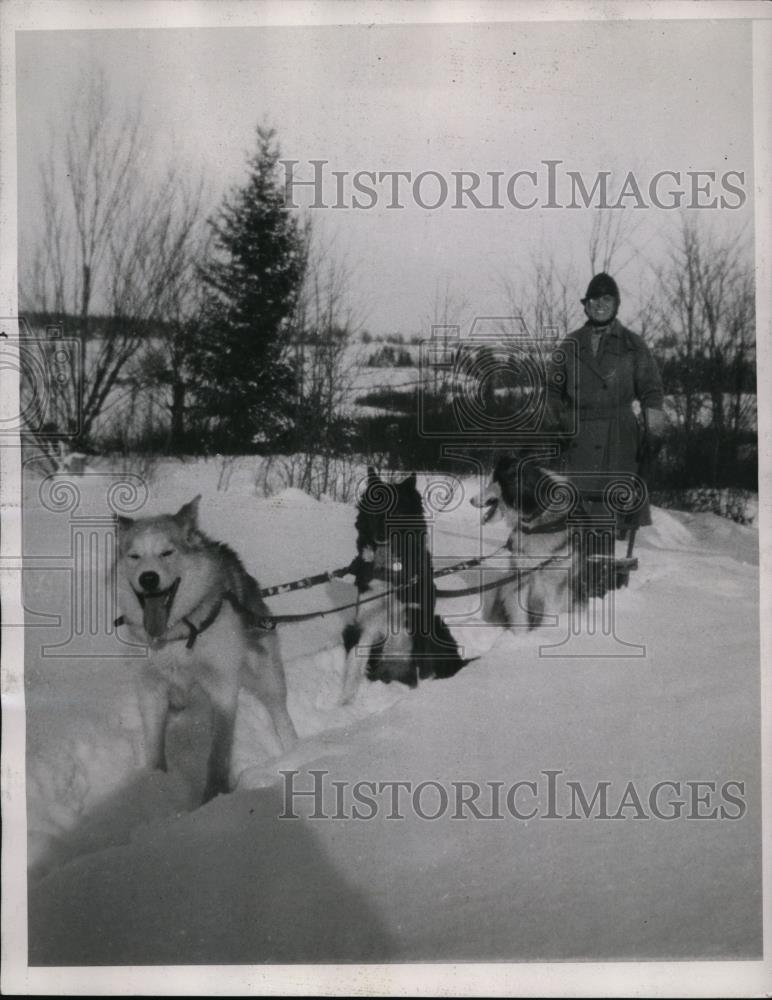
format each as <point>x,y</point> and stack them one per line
<point>601,284</point>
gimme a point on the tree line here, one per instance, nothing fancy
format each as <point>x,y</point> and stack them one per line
<point>238,318</point>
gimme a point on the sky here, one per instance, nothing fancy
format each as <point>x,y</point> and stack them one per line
<point>618,96</point>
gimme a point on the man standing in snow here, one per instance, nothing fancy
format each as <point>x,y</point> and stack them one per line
<point>590,395</point>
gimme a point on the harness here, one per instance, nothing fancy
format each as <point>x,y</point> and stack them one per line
<point>193,631</point>
<point>310,581</point>
<point>543,523</point>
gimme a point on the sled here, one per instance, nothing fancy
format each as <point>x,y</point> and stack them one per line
<point>607,572</point>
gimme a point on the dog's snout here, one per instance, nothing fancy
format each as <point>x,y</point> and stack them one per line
<point>149,581</point>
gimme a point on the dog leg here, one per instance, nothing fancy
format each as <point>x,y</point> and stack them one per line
<point>352,676</point>
<point>441,651</point>
<point>154,709</point>
<point>351,636</point>
<point>221,665</point>
<point>365,638</point>
<point>357,664</point>
<point>535,611</point>
<point>218,768</point>
<point>265,678</point>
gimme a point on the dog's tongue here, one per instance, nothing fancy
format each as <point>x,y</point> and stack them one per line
<point>156,615</point>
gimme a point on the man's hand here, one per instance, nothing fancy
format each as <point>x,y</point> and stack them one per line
<point>655,423</point>
<point>651,439</point>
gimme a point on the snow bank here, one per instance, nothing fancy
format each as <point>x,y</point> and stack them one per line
<point>126,871</point>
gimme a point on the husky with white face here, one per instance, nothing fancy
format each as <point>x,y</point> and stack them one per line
<point>192,602</point>
<point>548,576</point>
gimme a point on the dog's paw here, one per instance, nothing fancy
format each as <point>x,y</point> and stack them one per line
<point>352,633</point>
<point>214,786</point>
<point>212,793</point>
<point>376,672</point>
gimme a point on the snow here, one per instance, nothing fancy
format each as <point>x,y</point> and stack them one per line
<point>125,869</point>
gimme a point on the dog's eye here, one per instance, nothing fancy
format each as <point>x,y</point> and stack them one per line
<point>167,553</point>
<point>134,556</point>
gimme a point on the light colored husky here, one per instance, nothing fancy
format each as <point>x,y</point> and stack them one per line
<point>191,600</point>
<point>535,503</point>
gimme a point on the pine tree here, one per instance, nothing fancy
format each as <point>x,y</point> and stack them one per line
<point>245,384</point>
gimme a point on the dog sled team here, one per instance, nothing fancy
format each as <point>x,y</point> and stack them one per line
<point>192,602</point>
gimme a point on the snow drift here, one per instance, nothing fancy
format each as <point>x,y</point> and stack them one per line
<point>123,870</point>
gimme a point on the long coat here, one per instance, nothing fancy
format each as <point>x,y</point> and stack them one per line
<point>590,399</point>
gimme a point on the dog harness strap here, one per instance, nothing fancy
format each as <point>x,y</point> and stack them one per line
<point>191,640</point>
<point>309,581</point>
<point>211,618</point>
<point>267,623</point>
<point>480,588</point>
<point>195,631</point>
<point>540,527</point>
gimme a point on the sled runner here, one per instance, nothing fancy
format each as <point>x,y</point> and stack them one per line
<point>611,572</point>
<point>605,570</point>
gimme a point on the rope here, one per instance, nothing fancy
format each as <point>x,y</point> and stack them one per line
<point>308,581</point>
<point>313,581</point>
<point>269,622</point>
<point>481,588</point>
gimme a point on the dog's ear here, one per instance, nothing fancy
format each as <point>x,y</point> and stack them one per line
<point>188,514</point>
<point>410,482</point>
<point>123,523</point>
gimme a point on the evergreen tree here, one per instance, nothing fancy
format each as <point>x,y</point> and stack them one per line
<point>245,383</point>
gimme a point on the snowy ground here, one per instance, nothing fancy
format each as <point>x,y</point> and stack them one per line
<point>124,869</point>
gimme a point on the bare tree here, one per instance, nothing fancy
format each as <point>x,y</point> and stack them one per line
<point>610,245</point>
<point>163,365</point>
<point>324,327</point>
<point>446,323</point>
<point>113,244</point>
<point>543,295</point>
<point>706,334</point>
<point>741,334</point>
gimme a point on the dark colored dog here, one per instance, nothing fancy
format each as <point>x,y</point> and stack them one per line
<point>398,637</point>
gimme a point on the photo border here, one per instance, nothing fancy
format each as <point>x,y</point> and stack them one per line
<point>709,978</point>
